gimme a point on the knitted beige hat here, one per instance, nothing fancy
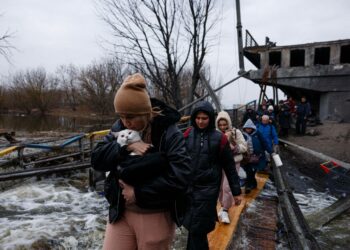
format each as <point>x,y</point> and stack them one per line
<point>132,96</point>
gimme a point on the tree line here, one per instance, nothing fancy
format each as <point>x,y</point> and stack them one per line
<point>70,87</point>
<point>167,41</point>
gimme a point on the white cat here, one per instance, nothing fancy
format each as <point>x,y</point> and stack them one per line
<point>126,137</point>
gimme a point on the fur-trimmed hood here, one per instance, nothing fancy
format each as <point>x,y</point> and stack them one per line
<point>223,115</point>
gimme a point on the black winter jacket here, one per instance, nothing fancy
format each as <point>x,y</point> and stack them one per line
<point>165,189</point>
<point>208,161</point>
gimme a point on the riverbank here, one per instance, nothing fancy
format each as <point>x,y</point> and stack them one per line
<point>330,138</point>
<point>81,112</point>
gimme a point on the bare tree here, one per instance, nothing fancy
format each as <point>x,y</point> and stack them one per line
<point>18,92</point>
<point>5,46</point>
<point>3,98</point>
<point>34,89</point>
<point>154,38</point>
<point>69,83</point>
<point>199,20</point>
<point>99,83</point>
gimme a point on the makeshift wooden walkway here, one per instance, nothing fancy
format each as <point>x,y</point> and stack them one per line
<point>220,238</point>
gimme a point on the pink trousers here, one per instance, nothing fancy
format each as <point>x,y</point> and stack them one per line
<point>154,231</point>
<point>225,197</point>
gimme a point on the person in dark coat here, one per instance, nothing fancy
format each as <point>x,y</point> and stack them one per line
<point>210,152</point>
<point>302,112</point>
<point>143,209</point>
<point>284,119</point>
<point>250,114</point>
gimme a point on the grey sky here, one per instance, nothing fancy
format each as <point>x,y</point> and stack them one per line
<point>50,33</point>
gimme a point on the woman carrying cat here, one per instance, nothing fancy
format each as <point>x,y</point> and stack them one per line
<point>143,212</point>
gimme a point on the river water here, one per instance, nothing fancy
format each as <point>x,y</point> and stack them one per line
<point>54,213</point>
<point>314,190</point>
<point>31,123</point>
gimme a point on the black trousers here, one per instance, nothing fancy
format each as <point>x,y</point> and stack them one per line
<point>300,125</point>
<point>250,181</point>
<point>284,132</point>
<point>197,241</point>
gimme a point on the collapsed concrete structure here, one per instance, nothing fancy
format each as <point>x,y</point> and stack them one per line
<point>320,71</point>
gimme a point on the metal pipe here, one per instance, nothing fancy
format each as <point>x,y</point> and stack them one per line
<point>239,38</point>
<point>317,154</point>
<point>217,89</point>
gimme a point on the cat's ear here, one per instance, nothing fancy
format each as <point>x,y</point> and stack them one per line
<point>115,134</point>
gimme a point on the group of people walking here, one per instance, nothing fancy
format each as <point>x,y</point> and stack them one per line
<point>286,113</point>
<point>174,178</point>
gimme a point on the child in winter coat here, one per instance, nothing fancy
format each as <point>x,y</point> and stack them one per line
<point>257,146</point>
<point>238,146</point>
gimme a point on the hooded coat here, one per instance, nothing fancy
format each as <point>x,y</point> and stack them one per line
<point>165,190</point>
<point>208,161</point>
<point>257,145</point>
<point>235,136</point>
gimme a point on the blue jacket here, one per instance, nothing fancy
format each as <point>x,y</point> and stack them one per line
<point>258,143</point>
<point>268,131</point>
<point>303,109</point>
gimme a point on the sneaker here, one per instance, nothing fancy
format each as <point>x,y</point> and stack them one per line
<point>241,173</point>
<point>224,217</point>
<point>220,212</point>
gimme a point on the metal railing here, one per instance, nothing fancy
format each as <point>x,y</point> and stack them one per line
<point>80,164</point>
<point>249,40</point>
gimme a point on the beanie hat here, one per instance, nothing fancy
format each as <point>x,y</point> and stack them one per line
<point>132,96</point>
<point>270,108</point>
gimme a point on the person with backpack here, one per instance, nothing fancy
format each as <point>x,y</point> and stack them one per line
<point>143,207</point>
<point>210,153</point>
<point>257,146</point>
<point>238,146</point>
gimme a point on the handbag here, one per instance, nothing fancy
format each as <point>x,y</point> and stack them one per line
<point>254,158</point>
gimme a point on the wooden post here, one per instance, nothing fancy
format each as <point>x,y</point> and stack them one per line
<point>20,157</point>
<point>81,148</point>
<point>91,172</point>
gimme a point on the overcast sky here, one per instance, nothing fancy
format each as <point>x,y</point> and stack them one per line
<point>50,33</point>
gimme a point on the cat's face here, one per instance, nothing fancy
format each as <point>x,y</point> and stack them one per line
<point>127,136</point>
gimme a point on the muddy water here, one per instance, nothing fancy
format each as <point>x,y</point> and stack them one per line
<point>314,191</point>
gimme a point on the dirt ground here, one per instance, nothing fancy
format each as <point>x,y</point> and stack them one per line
<point>330,138</point>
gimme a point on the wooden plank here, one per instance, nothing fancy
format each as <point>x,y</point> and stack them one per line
<point>321,218</point>
<point>220,238</point>
<point>42,171</point>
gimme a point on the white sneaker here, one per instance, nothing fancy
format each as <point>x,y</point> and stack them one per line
<point>220,212</point>
<point>241,173</point>
<point>224,217</point>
